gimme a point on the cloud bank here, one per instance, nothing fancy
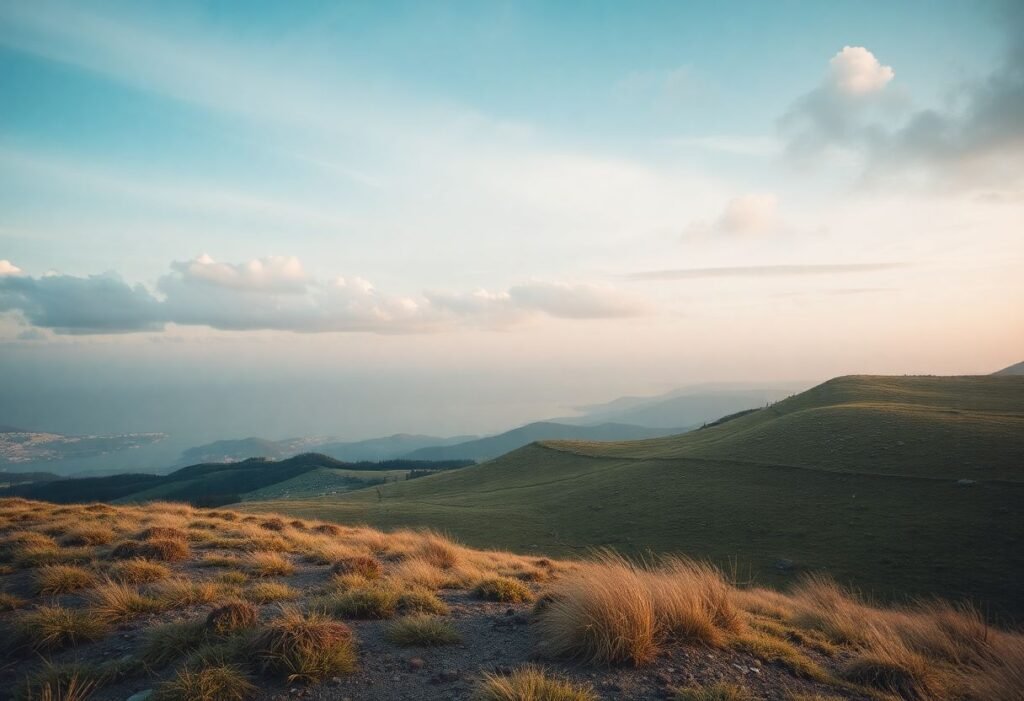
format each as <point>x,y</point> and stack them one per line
<point>275,293</point>
<point>976,141</point>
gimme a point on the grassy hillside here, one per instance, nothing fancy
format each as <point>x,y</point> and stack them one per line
<point>857,477</point>
<point>214,484</point>
<point>493,446</point>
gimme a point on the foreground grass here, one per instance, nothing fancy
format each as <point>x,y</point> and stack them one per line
<point>231,632</point>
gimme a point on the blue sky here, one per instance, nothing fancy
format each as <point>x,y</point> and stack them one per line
<point>350,178</point>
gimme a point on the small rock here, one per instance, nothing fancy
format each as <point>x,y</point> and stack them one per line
<point>416,663</point>
<point>141,695</point>
<point>663,679</point>
<point>336,681</point>
<point>510,612</point>
<point>449,675</point>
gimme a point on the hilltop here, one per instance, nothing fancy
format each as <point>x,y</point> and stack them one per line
<point>170,603</point>
<point>902,486</point>
<point>1015,369</point>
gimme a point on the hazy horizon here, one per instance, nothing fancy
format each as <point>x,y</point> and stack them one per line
<point>308,219</point>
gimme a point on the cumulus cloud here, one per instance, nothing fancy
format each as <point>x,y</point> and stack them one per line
<point>275,293</point>
<point>856,71</point>
<point>974,142</point>
<point>8,268</point>
<point>749,214</point>
<point>281,273</point>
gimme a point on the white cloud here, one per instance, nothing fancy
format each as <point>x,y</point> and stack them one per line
<point>8,268</point>
<point>749,214</point>
<point>281,273</point>
<point>856,71</point>
<point>274,293</point>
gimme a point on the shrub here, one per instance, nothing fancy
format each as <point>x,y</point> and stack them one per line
<point>231,616</point>
<point>307,647</point>
<point>503,589</point>
<point>138,571</point>
<point>55,627</point>
<point>269,564</point>
<point>61,579</point>
<point>530,683</point>
<point>421,630</point>
<point>368,567</point>
<point>217,683</point>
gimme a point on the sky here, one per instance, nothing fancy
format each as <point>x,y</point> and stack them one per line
<point>363,218</point>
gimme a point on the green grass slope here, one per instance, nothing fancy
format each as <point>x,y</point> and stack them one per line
<point>856,477</point>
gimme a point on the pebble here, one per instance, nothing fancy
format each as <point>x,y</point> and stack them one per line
<point>416,663</point>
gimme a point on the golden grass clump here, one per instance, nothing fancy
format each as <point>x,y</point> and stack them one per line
<point>305,646</point>
<point>137,571</point>
<point>178,593</point>
<point>273,524</point>
<point>216,683</point>
<point>421,630</point>
<point>232,616</point>
<point>90,534</point>
<point>328,529</point>
<point>41,555</point>
<point>165,643</point>
<point>165,549</point>
<point>268,564</point>
<point>61,579</point>
<point>114,602</point>
<point>55,627</point>
<point>368,567</point>
<point>504,589</point>
<point>439,551</point>
<point>54,684</point>
<point>612,611</point>
<point>372,601</point>
<point>531,683</point>
<point>773,650</point>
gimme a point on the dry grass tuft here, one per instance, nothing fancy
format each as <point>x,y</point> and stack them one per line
<point>92,534</point>
<point>165,549</point>
<point>178,593</point>
<point>531,683</point>
<point>327,529</point>
<point>305,647</point>
<point>372,601</point>
<point>163,533</point>
<point>772,650</point>
<point>273,524</point>
<point>232,616</point>
<point>612,611</point>
<point>58,684</point>
<point>421,630</point>
<point>439,551</point>
<point>504,589</point>
<point>368,567</point>
<point>114,602</point>
<point>165,643</point>
<point>137,571</point>
<point>890,665</point>
<point>216,683</point>
<point>268,564</point>
<point>61,579</point>
<point>55,627</point>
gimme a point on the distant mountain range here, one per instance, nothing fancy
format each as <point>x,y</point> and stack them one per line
<point>21,447</point>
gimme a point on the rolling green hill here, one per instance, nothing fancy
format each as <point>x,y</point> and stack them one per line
<point>859,477</point>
